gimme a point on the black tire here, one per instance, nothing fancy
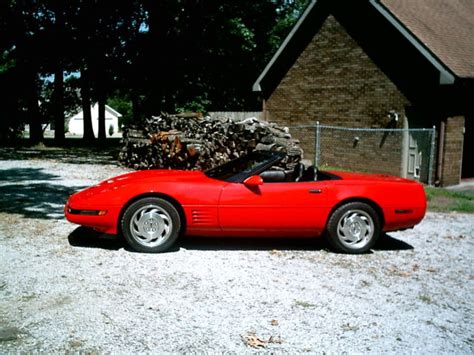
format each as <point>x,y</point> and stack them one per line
<point>151,225</point>
<point>353,228</point>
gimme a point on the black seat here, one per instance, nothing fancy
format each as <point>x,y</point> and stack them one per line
<point>273,176</point>
<point>298,172</point>
<point>310,174</point>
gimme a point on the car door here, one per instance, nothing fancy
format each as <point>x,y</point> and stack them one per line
<point>274,207</point>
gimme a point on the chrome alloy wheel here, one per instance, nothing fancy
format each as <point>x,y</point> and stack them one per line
<point>151,225</point>
<point>355,229</point>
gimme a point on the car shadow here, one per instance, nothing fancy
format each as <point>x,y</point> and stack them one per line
<point>85,237</point>
<point>88,238</point>
<point>387,242</point>
<point>252,243</point>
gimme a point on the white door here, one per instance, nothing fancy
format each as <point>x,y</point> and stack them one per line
<point>415,159</point>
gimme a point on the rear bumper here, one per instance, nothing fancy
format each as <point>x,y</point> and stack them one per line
<point>397,218</point>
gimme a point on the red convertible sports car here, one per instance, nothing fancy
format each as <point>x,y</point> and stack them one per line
<point>249,197</point>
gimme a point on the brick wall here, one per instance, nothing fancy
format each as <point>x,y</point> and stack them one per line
<point>468,147</point>
<point>375,152</point>
<point>453,145</point>
<point>335,82</point>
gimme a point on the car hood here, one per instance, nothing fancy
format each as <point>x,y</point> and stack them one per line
<point>136,177</point>
<point>370,177</point>
<point>154,176</point>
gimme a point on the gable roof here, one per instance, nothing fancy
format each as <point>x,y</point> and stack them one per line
<point>444,39</point>
<point>446,27</point>
<point>112,111</point>
<point>284,45</point>
<point>94,107</point>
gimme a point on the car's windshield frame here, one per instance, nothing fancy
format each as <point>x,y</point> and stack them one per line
<point>239,169</point>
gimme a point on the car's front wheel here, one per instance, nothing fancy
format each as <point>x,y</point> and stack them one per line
<point>353,228</point>
<point>151,225</point>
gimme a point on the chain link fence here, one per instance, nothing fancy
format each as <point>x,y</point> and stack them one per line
<point>401,152</point>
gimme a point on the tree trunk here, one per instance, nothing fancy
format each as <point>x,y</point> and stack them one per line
<point>28,73</point>
<point>59,127</point>
<point>100,80</point>
<point>101,104</point>
<point>36,133</point>
<point>86,105</point>
<point>160,67</point>
<point>135,107</point>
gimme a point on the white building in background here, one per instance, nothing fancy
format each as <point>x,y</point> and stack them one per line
<point>76,122</point>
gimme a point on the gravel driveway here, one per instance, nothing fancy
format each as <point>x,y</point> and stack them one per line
<point>66,288</point>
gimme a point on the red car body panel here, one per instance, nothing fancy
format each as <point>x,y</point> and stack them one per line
<point>212,207</point>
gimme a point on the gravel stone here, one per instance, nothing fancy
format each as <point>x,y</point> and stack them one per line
<point>67,288</point>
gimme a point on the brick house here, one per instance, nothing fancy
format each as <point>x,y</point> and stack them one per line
<point>349,63</point>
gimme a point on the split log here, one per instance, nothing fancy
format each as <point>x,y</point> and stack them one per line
<point>190,141</point>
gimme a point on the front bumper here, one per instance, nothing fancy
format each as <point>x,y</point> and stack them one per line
<point>87,212</point>
<point>103,218</point>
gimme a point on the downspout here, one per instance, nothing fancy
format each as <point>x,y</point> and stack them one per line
<point>264,110</point>
<point>439,169</point>
<point>405,149</point>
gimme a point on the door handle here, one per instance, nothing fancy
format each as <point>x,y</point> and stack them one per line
<point>315,191</point>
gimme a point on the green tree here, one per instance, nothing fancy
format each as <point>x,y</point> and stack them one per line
<point>124,106</point>
<point>102,33</point>
<point>208,54</point>
<point>288,12</point>
<point>157,56</point>
<point>21,30</point>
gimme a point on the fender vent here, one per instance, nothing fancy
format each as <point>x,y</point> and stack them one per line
<point>203,217</point>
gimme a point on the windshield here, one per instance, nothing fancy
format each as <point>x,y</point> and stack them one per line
<point>239,169</point>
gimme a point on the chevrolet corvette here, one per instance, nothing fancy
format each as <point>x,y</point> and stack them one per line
<point>246,197</point>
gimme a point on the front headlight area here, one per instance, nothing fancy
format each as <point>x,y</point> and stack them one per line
<point>86,212</point>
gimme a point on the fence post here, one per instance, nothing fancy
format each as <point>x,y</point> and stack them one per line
<point>430,168</point>
<point>317,145</point>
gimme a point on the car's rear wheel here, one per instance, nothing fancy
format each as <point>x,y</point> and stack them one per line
<point>353,228</point>
<point>151,225</point>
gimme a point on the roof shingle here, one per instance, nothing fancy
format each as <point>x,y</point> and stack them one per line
<point>445,27</point>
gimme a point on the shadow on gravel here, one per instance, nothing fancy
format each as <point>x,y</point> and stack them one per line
<point>20,194</point>
<point>88,238</point>
<point>203,243</point>
<point>105,155</point>
<point>25,174</point>
<point>387,242</point>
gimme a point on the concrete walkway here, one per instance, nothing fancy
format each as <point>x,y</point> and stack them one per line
<point>466,186</point>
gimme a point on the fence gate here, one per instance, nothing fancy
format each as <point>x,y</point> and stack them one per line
<point>401,152</point>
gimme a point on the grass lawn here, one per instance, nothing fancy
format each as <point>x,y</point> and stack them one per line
<point>439,199</point>
<point>442,200</point>
<point>76,151</point>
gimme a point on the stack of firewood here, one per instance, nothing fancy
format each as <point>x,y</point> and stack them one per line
<point>190,141</point>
